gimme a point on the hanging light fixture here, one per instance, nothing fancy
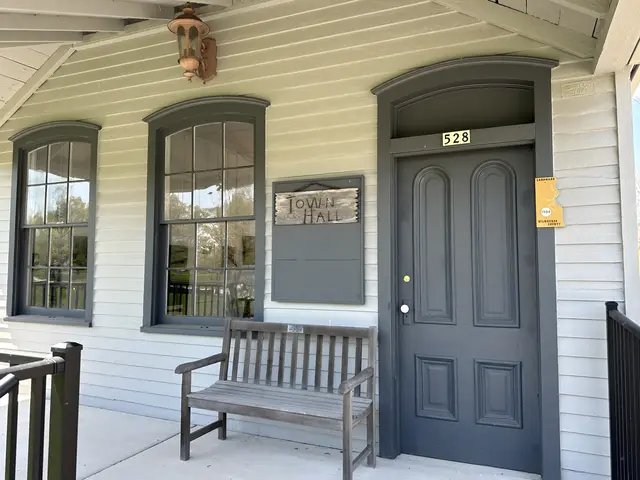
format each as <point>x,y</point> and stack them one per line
<point>197,53</point>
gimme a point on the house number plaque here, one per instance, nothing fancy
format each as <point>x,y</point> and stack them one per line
<point>317,207</point>
<point>456,138</point>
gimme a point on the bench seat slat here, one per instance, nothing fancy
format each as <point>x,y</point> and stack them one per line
<point>260,400</point>
<point>299,396</point>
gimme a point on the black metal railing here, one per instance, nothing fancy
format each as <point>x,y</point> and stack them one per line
<point>623,344</point>
<point>64,368</point>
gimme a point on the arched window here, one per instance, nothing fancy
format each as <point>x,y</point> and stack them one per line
<point>53,223</point>
<point>205,230</point>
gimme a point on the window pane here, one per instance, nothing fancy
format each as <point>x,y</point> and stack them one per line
<point>57,203</point>
<point>180,292</point>
<point>238,144</point>
<point>58,162</point>
<point>38,287</point>
<point>208,147</point>
<point>60,242</point>
<point>37,166</point>
<point>177,196</point>
<point>182,244</point>
<point>209,293</point>
<point>238,192</point>
<point>78,289</point>
<point>35,205</point>
<point>240,294</point>
<point>78,202</point>
<point>80,244</point>
<point>241,244</point>
<point>80,165</point>
<point>58,288</point>
<point>211,245</point>
<point>179,152</point>
<point>207,195</point>
<point>39,243</point>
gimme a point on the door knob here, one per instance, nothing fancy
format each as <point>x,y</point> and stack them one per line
<point>404,308</point>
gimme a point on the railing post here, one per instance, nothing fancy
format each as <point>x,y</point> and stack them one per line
<point>611,306</point>
<point>11,382</point>
<point>63,427</point>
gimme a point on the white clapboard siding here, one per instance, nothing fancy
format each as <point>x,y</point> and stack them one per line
<point>316,62</point>
<point>589,264</point>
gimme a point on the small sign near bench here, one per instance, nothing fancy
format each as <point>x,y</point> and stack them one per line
<point>318,241</point>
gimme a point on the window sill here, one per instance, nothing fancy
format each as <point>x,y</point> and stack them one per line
<point>199,330</point>
<point>49,320</point>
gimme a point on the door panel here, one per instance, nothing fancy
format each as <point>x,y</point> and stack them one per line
<point>468,346</point>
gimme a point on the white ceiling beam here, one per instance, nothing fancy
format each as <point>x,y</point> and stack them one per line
<point>526,25</point>
<point>595,8</point>
<point>39,37</point>
<point>88,8</point>
<point>38,78</point>
<point>619,36</point>
<point>28,22</point>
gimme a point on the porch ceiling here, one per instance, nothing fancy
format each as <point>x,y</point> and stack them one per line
<point>37,36</point>
<point>32,30</point>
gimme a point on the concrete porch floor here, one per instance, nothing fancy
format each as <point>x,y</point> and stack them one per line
<point>117,446</point>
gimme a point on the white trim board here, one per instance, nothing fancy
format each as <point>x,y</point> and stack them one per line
<point>629,222</point>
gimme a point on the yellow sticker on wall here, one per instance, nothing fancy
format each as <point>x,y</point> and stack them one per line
<point>548,212</point>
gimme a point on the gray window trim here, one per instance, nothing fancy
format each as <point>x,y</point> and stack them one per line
<point>26,140</point>
<point>466,71</point>
<point>172,119</point>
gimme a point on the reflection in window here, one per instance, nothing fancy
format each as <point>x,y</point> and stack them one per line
<point>209,218</point>
<point>56,222</point>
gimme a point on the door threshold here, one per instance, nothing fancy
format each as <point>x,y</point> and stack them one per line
<point>460,471</point>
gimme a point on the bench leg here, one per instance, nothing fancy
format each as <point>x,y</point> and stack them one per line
<point>347,437</point>
<point>222,430</point>
<point>185,418</point>
<point>371,437</point>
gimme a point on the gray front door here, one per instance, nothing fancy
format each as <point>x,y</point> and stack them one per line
<point>468,345</point>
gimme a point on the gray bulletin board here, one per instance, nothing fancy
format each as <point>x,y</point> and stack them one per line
<point>318,246</point>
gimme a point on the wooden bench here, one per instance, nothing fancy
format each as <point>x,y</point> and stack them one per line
<point>339,395</point>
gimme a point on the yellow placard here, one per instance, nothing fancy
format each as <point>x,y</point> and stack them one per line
<point>548,212</point>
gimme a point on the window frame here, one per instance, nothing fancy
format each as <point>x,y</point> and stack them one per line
<point>169,120</point>
<point>24,142</point>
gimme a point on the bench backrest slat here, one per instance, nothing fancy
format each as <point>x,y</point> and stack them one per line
<point>247,358</point>
<point>344,372</point>
<point>256,373</point>
<point>305,362</point>
<point>318,379</point>
<point>281,356</point>
<point>332,361</point>
<point>270,349</point>
<point>330,355</point>
<point>236,355</point>
<point>294,360</point>
<point>358,362</point>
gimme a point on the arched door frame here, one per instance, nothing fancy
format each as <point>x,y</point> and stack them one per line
<point>418,83</point>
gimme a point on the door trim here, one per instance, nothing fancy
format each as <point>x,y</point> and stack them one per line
<point>468,71</point>
<point>508,136</point>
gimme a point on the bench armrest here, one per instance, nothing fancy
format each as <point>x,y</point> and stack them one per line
<point>348,385</point>
<point>190,366</point>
